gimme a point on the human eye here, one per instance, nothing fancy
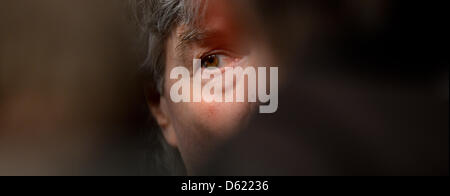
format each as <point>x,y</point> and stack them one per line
<point>210,61</point>
<point>218,60</point>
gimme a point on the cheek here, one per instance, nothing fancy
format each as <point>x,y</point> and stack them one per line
<point>220,120</point>
<point>225,118</point>
<point>193,120</point>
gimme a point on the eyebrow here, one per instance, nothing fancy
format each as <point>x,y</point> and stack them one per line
<point>196,35</point>
<point>189,36</point>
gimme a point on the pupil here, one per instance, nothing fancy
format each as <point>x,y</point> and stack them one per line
<point>211,59</point>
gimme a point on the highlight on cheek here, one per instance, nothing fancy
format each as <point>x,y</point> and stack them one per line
<point>212,90</point>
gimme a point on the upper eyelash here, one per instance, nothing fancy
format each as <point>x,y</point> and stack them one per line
<point>218,52</point>
<point>211,53</point>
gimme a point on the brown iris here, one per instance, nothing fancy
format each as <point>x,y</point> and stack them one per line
<point>210,61</point>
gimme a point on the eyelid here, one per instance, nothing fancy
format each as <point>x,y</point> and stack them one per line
<point>220,52</point>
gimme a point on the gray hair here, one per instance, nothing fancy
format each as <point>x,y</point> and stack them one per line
<point>156,19</point>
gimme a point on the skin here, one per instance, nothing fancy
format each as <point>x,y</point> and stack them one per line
<point>196,129</point>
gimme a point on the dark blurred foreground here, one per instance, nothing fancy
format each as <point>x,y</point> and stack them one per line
<point>363,91</point>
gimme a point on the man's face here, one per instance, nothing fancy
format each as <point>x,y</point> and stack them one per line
<point>220,39</point>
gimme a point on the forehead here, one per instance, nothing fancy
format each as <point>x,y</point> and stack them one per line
<point>216,19</point>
